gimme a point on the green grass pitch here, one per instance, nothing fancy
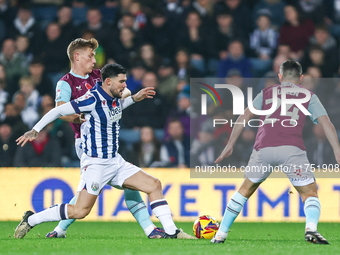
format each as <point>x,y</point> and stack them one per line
<point>128,238</point>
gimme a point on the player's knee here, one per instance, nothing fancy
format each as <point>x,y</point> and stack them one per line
<point>157,185</point>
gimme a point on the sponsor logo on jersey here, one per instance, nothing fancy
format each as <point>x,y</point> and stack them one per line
<point>79,88</point>
<point>115,113</point>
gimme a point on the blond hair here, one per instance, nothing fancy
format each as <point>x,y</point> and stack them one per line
<point>80,43</point>
<point>26,79</point>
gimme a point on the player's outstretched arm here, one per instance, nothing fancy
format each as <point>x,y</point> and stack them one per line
<point>74,118</point>
<point>144,93</point>
<point>237,130</point>
<point>331,135</point>
<point>65,109</point>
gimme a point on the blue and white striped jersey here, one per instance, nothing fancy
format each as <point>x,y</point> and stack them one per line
<point>100,131</point>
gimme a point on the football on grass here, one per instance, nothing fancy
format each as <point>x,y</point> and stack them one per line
<point>205,227</point>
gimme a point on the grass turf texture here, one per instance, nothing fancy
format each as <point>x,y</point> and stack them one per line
<point>128,238</point>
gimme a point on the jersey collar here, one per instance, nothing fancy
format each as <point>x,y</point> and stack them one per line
<point>102,92</point>
<point>79,76</point>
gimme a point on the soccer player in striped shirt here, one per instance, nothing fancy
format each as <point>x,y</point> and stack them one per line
<point>74,84</point>
<point>101,162</point>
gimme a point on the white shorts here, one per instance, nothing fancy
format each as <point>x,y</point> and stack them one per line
<point>289,159</point>
<point>97,172</point>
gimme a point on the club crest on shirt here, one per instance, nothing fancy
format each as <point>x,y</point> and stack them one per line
<point>95,186</point>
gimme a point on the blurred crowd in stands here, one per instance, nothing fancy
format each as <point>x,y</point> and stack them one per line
<point>162,44</point>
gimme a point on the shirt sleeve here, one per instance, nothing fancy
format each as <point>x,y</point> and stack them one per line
<point>55,113</point>
<point>126,102</point>
<point>316,108</point>
<point>258,100</point>
<point>84,104</point>
<point>63,92</point>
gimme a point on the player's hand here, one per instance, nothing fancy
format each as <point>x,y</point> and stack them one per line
<point>80,119</point>
<point>224,154</point>
<point>28,136</point>
<point>148,92</point>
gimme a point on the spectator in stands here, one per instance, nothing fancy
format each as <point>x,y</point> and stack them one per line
<point>225,32</point>
<point>175,151</point>
<point>147,149</point>
<point>168,81</point>
<point>318,149</point>
<point>296,31</point>
<point>31,94</point>
<point>7,145</point>
<point>316,57</point>
<point>79,11</point>
<point>134,81</point>
<point>332,17</point>
<point>148,57</point>
<point>7,16</point>
<point>240,11</point>
<point>28,114</point>
<point>194,36</point>
<point>275,8</point>
<point>39,153</point>
<point>95,24</point>
<point>174,10</point>
<point>127,20</point>
<point>148,112</point>
<point>64,20</point>
<point>136,10</point>
<point>12,61</point>
<point>323,38</point>
<point>109,10</point>
<point>309,83</point>
<point>313,10</point>
<point>124,49</point>
<point>25,24</point>
<point>183,68</point>
<point>53,53</point>
<point>39,78</point>
<point>181,112</point>
<point>314,71</point>
<point>22,44</point>
<point>12,116</point>
<point>159,32</point>
<point>263,44</point>
<point>205,9</point>
<point>284,50</point>
<point>235,60</point>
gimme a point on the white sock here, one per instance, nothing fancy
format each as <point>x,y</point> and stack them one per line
<point>54,213</point>
<point>59,230</point>
<point>149,229</point>
<point>162,211</point>
<point>221,234</point>
<point>311,226</point>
